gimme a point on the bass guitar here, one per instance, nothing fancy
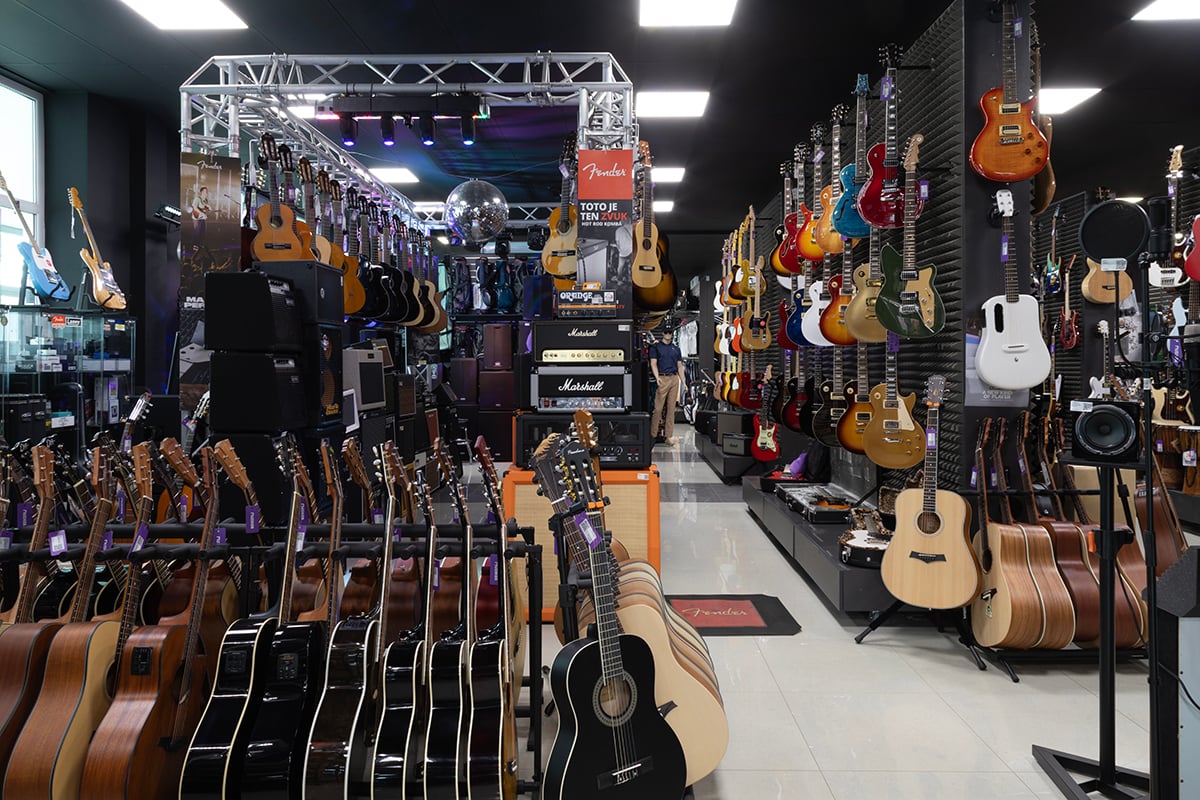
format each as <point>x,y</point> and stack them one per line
<point>48,284</point>
<point>105,290</point>
<point>559,256</point>
<point>847,220</point>
<point>646,270</point>
<point>276,239</point>
<point>1010,147</point>
<point>929,562</point>
<point>828,237</point>
<point>881,201</point>
<point>892,438</point>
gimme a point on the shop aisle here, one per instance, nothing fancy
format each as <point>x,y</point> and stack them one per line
<point>904,715</point>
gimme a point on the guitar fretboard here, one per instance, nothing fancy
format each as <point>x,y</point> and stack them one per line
<point>1009,56</point>
<point>1012,287</point>
<point>891,152</point>
<point>909,268</point>
<point>929,501</point>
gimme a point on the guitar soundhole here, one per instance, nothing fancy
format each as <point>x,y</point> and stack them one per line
<point>929,522</point>
<point>614,701</point>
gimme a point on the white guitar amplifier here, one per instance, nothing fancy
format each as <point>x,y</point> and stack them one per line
<point>598,389</point>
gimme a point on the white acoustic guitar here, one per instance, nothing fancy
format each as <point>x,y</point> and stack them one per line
<point>1011,354</point>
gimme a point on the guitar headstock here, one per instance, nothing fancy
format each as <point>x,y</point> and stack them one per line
<point>912,152</point>
<point>1175,162</point>
<point>570,151</point>
<point>785,169</point>
<point>335,191</point>
<point>285,158</point>
<point>172,451</point>
<point>333,474</point>
<point>267,149</point>
<point>1102,327</point>
<point>935,390</point>
<point>202,407</point>
<point>324,187</point>
<point>43,472</point>
<point>751,220</point>
<point>1004,202</point>
<point>889,55</point>
<point>643,153</point>
<point>227,457</point>
<point>800,154</point>
<point>488,471</point>
<point>141,408</point>
<point>817,132</point>
<point>104,479</point>
<point>304,170</point>
<point>73,197</point>
<point>578,477</point>
<point>143,469</point>
<point>839,113</point>
<point>862,85</point>
<point>585,429</point>
<point>352,455</point>
<point>300,470</point>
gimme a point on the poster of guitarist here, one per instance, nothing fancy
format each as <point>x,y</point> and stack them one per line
<point>199,210</point>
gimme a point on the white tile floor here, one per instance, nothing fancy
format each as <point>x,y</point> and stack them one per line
<point>904,715</point>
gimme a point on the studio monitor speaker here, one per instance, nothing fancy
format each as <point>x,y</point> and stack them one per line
<point>1107,433</point>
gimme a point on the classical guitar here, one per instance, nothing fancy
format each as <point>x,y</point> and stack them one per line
<point>310,236</point>
<point>827,236</point>
<point>354,294</point>
<point>756,322</point>
<point>559,255</point>
<point>1044,183</point>
<point>908,303</point>
<point>806,237</point>
<point>841,291</point>
<point>1012,353</point>
<point>428,294</point>
<point>105,290</point>
<point>847,220</point>
<point>276,239</point>
<point>764,444</point>
<point>646,270</point>
<point>138,749</point>
<point>327,220</point>
<point>881,199</point>
<point>832,403</point>
<point>1010,147</point>
<point>853,423</point>
<point>617,745</point>
<point>892,438</point>
<point>48,284</point>
<point>403,281</point>
<point>929,562</point>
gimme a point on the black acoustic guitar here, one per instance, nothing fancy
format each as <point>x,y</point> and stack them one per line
<point>403,282</point>
<point>612,742</point>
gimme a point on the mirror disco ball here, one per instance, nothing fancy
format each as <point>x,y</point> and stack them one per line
<point>476,210</point>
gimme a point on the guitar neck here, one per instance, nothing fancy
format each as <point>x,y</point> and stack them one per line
<point>864,385</point>
<point>333,570</point>
<point>836,163</point>
<point>1012,287</point>
<point>1009,57</point>
<point>891,139</point>
<point>133,583</point>
<point>929,502</point>
<point>909,267</point>
<point>87,568</point>
<point>860,140</point>
<point>21,216</point>
<point>27,595</point>
<point>289,561</point>
<point>87,231</point>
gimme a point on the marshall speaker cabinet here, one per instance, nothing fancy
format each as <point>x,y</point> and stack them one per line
<point>583,342</point>
<point>599,389</point>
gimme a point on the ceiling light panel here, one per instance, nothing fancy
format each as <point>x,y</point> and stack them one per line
<point>667,174</point>
<point>1060,101</point>
<point>663,206</point>
<point>671,104</point>
<point>194,15</point>
<point>395,175</point>
<point>685,13</point>
<point>1164,10</point>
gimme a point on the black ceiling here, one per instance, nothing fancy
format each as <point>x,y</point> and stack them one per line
<point>779,67</point>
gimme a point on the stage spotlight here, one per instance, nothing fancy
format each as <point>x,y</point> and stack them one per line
<point>425,128</point>
<point>387,126</point>
<point>349,128</point>
<point>468,131</point>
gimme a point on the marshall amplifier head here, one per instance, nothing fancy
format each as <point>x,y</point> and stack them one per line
<point>600,389</point>
<point>583,342</point>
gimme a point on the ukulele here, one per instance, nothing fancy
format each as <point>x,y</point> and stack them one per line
<point>892,439</point>
<point>1012,353</point>
<point>908,302</point>
<point>646,270</point>
<point>559,256</point>
<point>276,239</point>
<point>806,237</point>
<point>310,234</point>
<point>105,290</point>
<point>1044,183</point>
<point>853,423</point>
<point>48,284</point>
<point>881,201</point>
<point>827,235</point>
<point>846,217</point>
<point>139,748</point>
<point>1010,147</point>
<point>1068,321</point>
<point>764,444</point>
<point>929,562</point>
<point>756,323</point>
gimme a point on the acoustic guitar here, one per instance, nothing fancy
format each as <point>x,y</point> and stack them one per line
<point>929,562</point>
<point>48,284</point>
<point>853,424</point>
<point>105,289</point>
<point>846,217</point>
<point>892,438</point>
<point>827,236</point>
<point>329,215</point>
<point>354,295</point>
<point>559,255</point>
<point>646,270</point>
<point>276,239</point>
<point>310,235</point>
<point>1105,287</point>
<point>1010,147</point>
<point>881,199</point>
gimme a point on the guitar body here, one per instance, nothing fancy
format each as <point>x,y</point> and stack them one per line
<point>788,251</point>
<point>829,414</point>
<point>795,318</point>
<point>394,769</point>
<point>810,409</point>
<point>861,320</point>
<point>337,744</point>
<point>126,757</point>
<point>789,415</point>
<point>1058,613</point>
<point>278,732</point>
<point>1010,147</point>
<point>213,765</point>
<point>48,284</point>
<point>764,445</point>
<point>582,758</point>
<point>646,270</point>
<point>445,704</point>
<point>886,441</point>
<point>661,296</point>
<point>47,759</point>
<point>846,218</point>
<point>750,397</point>
<point>782,338</point>
<point>911,308</point>
<point>1011,352</point>
<point>806,236</point>
<point>276,239</point>
<point>1008,611</point>
<point>853,424</point>
<point>1191,264</point>
<point>559,256</point>
<point>756,332</point>
<point>491,762</point>
<point>321,247</point>
<point>929,562</point>
<point>833,318</point>
<point>810,323</point>
<point>105,290</point>
<point>1105,287</point>
<point>1070,553</point>
<point>23,652</point>
<point>881,199</point>
<point>354,294</point>
<point>826,236</point>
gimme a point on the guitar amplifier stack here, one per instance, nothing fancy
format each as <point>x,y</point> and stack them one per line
<point>584,364</point>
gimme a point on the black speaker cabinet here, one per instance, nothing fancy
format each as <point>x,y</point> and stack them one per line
<point>498,346</point>
<point>623,439</point>
<point>497,428</point>
<point>733,422</point>
<point>250,312</point>
<point>497,390</point>
<point>318,289</point>
<point>464,377</point>
<point>256,392</point>
<point>376,427</point>
<point>405,436</point>
<point>26,416</point>
<point>1107,433</point>
<point>321,364</point>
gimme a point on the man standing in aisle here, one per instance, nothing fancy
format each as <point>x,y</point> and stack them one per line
<point>666,362</point>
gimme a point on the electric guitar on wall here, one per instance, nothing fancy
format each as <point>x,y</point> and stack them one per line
<point>892,438</point>
<point>1011,354</point>
<point>46,281</point>
<point>559,255</point>
<point>854,422</point>
<point>846,217</point>
<point>646,270</point>
<point>881,199</point>
<point>832,404</point>
<point>764,444</point>
<point>785,258</point>
<point>105,289</point>
<point>1044,183</point>
<point>828,237</point>
<point>841,292</point>
<point>819,299</point>
<point>276,239</point>
<point>1010,147</point>
<point>806,237</point>
<point>756,323</point>
<point>1178,269</point>
<point>929,562</point>
<point>1068,321</point>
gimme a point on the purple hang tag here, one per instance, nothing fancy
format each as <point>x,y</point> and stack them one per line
<point>6,538</point>
<point>1004,249</point>
<point>992,478</point>
<point>1021,463</point>
<point>590,536</point>
<point>183,506</point>
<point>106,541</point>
<point>491,517</point>
<point>24,514</point>
<point>437,573</point>
<point>219,536</point>
<point>555,545</point>
<point>139,538</point>
<point>397,534</point>
<point>923,190</point>
<point>253,518</point>
<point>886,87</point>
<point>564,171</point>
<point>1175,348</point>
<point>126,444</point>
<point>1158,445</point>
<point>974,477</point>
<point>1170,190</point>
<point>893,342</point>
<point>377,516</point>
<point>493,570</point>
<point>120,502</point>
<point>1018,27</point>
<point>931,438</point>
<point>58,543</point>
<point>303,511</point>
<point>820,154</point>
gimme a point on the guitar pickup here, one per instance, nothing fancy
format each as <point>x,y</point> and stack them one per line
<point>562,253</point>
<point>862,417</point>
<point>836,413</point>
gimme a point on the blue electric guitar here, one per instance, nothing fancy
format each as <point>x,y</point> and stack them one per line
<point>46,281</point>
<point>846,219</point>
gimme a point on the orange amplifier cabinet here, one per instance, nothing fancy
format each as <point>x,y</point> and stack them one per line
<point>632,516</point>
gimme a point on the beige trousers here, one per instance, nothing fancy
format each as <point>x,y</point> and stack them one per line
<point>664,405</point>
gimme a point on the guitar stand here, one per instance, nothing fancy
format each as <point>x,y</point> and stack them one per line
<point>965,637</point>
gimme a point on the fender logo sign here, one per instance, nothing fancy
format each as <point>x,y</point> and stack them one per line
<point>605,174</point>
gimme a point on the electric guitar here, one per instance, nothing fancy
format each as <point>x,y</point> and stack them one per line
<point>892,438</point>
<point>929,562</point>
<point>841,291</point>
<point>764,445</point>
<point>832,403</point>
<point>847,219</point>
<point>1068,321</point>
<point>48,284</point>
<point>881,199</point>
<point>908,302</point>
<point>276,239</point>
<point>105,290</point>
<point>559,256</point>
<point>813,402</point>
<point>1011,353</point>
<point>1052,276</point>
<point>1010,147</point>
<point>806,236</point>
<point>1183,264</point>
<point>853,423</point>
<point>785,258</point>
<point>826,234</point>
<point>797,393</point>
<point>797,281</point>
<point>819,299</point>
<point>646,270</point>
<point>756,323</point>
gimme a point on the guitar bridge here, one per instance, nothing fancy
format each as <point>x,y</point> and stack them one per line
<point>607,780</point>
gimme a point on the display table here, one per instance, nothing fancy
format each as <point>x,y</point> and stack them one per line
<point>728,468</point>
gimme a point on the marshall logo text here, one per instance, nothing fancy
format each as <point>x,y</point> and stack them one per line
<point>589,333</point>
<point>572,385</point>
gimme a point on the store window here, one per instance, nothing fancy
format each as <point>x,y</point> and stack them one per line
<point>22,167</point>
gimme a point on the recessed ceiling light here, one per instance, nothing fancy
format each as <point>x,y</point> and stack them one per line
<point>667,174</point>
<point>685,13</point>
<point>303,112</point>
<point>395,175</point>
<point>194,15</point>
<point>1060,101</point>
<point>1132,199</point>
<point>1162,10</point>
<point>434,207</point>
<point>663,206</point>
<point>671,104</point>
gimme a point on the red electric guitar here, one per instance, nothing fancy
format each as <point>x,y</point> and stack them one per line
<point>764,446</point>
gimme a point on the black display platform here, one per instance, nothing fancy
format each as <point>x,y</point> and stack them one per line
<point>728,468</point>
<point>1187,506</point>
<point>814,549</point>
